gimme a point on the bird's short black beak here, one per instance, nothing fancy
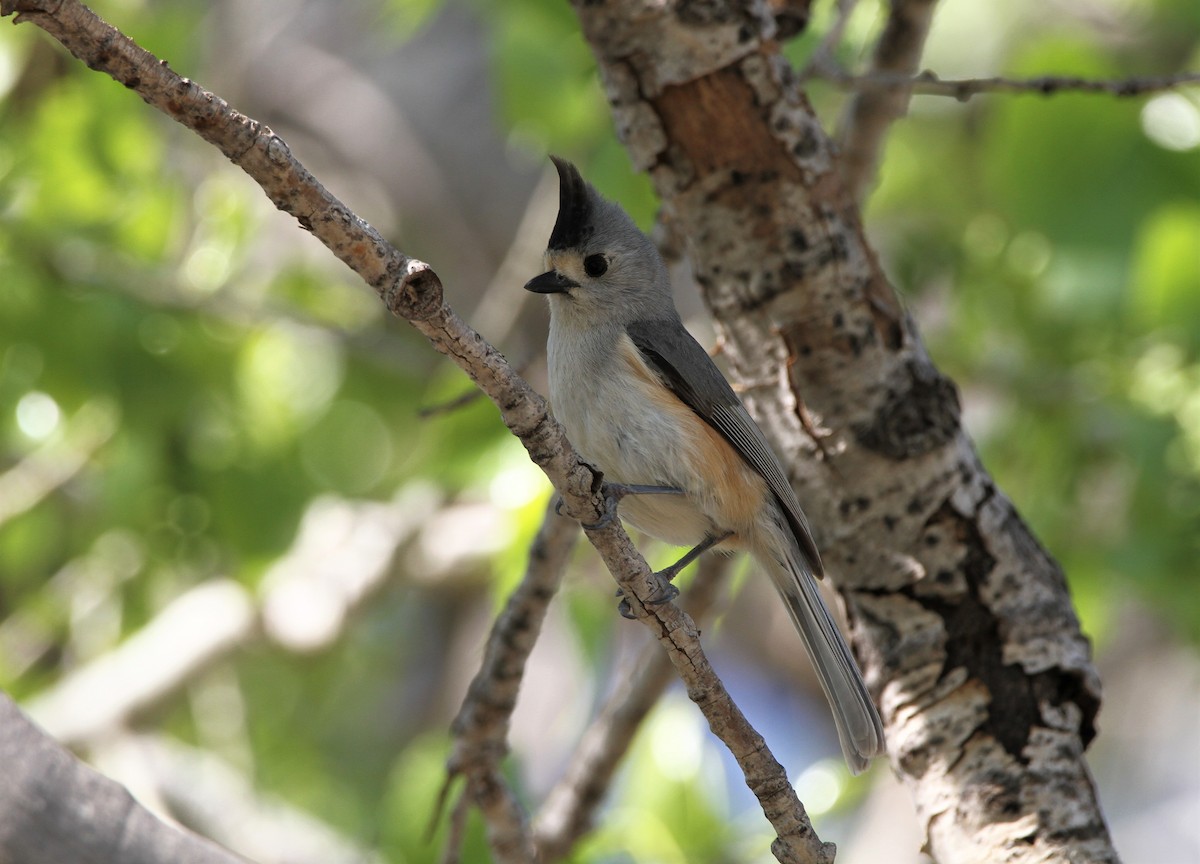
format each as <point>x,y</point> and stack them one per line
<point>551,282</point>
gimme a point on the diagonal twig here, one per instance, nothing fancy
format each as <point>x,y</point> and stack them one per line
<point>871,112</point>
<point>481,727</point>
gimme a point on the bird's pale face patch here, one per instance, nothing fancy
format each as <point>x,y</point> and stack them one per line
<point>568,262</point>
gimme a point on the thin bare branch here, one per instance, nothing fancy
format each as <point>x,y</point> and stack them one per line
<point>962,89</point>
<point>570,808</point>
<point>462,400</point>
<point>871,112</point>
<point>449,406</point>
<point>481,727</point>
<point>457,829</point>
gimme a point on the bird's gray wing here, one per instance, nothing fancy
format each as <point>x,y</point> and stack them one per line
<point>684,366</point>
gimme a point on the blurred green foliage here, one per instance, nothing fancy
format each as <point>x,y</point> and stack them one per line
<point>1049,246</point>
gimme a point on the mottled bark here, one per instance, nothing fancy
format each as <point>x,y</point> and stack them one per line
<point>960,618</point>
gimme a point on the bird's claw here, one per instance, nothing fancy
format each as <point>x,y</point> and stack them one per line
<point>610,512</point>
<point>664,592</point>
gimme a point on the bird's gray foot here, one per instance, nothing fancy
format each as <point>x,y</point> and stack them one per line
<point>614,492</point>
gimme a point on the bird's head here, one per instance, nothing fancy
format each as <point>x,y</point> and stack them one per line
<point>600,267</point>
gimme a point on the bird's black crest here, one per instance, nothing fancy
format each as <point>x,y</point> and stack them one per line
<point>574,224</point>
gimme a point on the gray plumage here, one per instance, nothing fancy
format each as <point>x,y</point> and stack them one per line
<point>628,382</point>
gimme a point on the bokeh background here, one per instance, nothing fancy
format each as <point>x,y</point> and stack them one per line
<point>251,537</point>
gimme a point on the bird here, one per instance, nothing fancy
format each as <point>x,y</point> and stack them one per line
<point>643,402</point>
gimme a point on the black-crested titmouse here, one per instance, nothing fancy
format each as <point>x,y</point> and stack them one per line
<point>644,403</point>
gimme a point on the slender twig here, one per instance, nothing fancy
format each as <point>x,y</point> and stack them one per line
<point>457,829</point>
<point>871,112</point>
<point>462,400</point>
<point>449,406</point>
<point>569,809</point>
<point>481,727</point>
<point>410,289</point>
<point>962,89</point>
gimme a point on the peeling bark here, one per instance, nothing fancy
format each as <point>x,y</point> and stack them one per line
<point>960,619</point>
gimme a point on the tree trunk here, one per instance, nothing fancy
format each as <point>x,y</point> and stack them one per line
<point>960,618</point>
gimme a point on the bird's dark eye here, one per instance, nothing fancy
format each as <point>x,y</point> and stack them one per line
<point>595,265</point>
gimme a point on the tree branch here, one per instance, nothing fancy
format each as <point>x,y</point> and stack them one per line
<point>824,54</point>
<point>481,728</point>
<point>928,84</point>
<point>411,290</point>
<point>871,112</point>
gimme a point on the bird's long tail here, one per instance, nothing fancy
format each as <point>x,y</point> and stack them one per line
<point>859,728</point>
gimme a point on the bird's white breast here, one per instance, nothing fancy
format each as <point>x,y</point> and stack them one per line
<point>626,423</point>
